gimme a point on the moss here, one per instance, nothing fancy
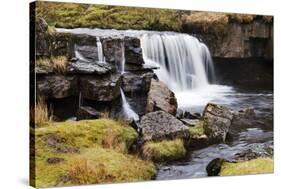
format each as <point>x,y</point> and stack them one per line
<point>197,130</point>
<point>91,151</point>
<point>255,166</point>
<point>166,150</point>
<point>241,18</point>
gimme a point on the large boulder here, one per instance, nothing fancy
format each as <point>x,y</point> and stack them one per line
<point>160,125</point>
<point>57,86</point>
<point>100,88</point>
<point>160,97</point>
<point>217,121</point>
<point>136,82</point>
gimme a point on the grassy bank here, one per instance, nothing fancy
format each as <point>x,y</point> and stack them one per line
<point>87,152</point>
<point>72,15</point>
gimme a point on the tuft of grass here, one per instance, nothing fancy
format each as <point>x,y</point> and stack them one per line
<point>41,112</point>
<point>97,160</point>
<point>197,130</point>
<point>57,63</point>
<point>242,18</point>
<point>166,150</point>
<point>254,166</point>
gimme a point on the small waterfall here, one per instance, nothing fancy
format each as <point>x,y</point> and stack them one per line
<point>78,55</point>
<point>100,51</point>
<point>183,60</point>
<point>80,100</point>
<point>123,59</point>
<point>127,110</point>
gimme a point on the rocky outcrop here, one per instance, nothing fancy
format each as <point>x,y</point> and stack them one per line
<point>217,121</point>
<point>87,112</point>
<point>160,97</point>
<point>136,82</point>
<point>100,88</point>
<point>160,125</point>
<point>81,67</point>
<point>57,86</point>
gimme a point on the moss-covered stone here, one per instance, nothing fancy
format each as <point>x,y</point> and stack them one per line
<point>163,151</point>
<point>255,166</point>
<point>198,130</point>
<point>87,152</point>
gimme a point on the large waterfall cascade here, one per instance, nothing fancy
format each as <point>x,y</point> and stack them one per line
<point>185,66</point>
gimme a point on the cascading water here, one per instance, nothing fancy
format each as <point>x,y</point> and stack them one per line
<point>127,110</point>
<point>100,51</point>
<point>185,64</point>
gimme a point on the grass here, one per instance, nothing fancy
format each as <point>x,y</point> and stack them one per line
<point>57,63</point>
<point>93,151</point>
<point>197,130</point>
<point>255,166</point>
<point>166,150</point>
<point>41,112</point>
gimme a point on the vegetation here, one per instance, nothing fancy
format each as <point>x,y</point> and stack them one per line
<point>57,64</point>
<point>86,152</point>
<point>255,166</point>
<point>166,150</point>
<point>198,130</point>
<point>72,15</point>
<point>41,112</point>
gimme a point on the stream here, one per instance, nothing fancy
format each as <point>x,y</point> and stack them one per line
<point>243,137</point>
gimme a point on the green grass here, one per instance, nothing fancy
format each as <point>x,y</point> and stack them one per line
<point>166,150</point>
<point>93,151</point>
<point>73,15</point>
<point>255,166</point>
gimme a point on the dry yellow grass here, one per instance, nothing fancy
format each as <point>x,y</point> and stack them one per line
<point>41,112</point>
<point>58,63</point>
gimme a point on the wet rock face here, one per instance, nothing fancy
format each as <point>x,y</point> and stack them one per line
<point>87,112</point>
<point>113,50</point>
<point>90,68</point>
<point>161,125</point>
<point>160,97</point>
<point>100,88</point>
<point>217,121</point>
<point>57,86</point>
<point>136,82</point>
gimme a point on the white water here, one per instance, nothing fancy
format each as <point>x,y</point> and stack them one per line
<point>185,64</point>
<point>127,110</point>
<point>100,51</point>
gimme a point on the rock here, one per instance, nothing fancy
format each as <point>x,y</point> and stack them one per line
<point>54,160</point>
<point>160,97</point>
<point>90,68</point>
<point>245,117</point>
<point>161,125</point>
<point>136,82</point>
<point>87,112</point>
<point>198,138</point>
<point>57,86</point>
<point>133,51</point>
<point>214,167</point>
<point>41,37</point>
<point>217,121</point>
<point>190,122</point>
<point>188,115</point>
<point>104,88</point>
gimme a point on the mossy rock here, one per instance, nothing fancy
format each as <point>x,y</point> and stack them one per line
<point>164,151</point>
<point>198,138</point>
<point>254,166</point>
<point>197,130</point>
<point>87,152</point>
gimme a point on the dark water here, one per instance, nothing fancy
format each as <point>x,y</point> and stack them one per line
<point>245,137</point>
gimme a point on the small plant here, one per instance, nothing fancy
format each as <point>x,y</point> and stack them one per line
<point>41,112</point>
<point>57,64</point>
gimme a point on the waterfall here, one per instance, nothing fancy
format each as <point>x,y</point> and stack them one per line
<point>183,60</point>
<point>80,100</point>
<point>127,110</point>
<point>100,51</point>
<point>123,59</point>
<point>78,55</point>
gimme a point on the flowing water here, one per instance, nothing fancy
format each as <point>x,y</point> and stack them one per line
<point>126,108</point>
<point>187,69</point>
<point>100,51</point>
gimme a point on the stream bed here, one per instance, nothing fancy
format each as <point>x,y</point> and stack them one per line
<point>243,138</point>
